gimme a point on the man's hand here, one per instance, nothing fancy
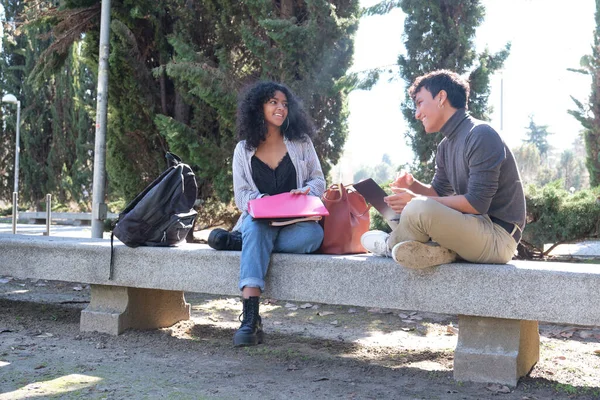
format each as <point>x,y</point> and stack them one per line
<point>403,180</point>
<point>399,199</point>
<point>300,191</point>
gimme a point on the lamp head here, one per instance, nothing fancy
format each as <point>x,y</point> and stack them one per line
<point>9,98</point>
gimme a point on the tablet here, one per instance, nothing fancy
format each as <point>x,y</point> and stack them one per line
<point>374,194</point>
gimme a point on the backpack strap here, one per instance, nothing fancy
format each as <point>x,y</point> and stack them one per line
<point>112,255</point>
<point>172,159</point>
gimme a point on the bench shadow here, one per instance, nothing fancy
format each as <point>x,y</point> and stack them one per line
<point>299,351</point>
<point>431,366</point>
<point>577,333</point>
<point>67,312</point>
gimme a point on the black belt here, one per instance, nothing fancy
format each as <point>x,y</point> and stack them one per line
<point>508,227</point>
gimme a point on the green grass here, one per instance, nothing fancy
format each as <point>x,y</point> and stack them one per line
<point>565,388</point>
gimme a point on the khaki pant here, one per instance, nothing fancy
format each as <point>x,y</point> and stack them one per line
<point>474,238</point>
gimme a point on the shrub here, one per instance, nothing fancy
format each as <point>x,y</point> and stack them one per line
<point>377,221</point>
<point>6,211</point>
<point>213,212</point>
<point>555,216</point>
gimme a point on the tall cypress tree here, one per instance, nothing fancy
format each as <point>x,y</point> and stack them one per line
<point>439,34</point>
<point>12,58</point>
<point>538,136</point>
<point>589,114</point>
<point>176,68</point>
<point>20,52</point>
<point>55,123</point>
<point>69,159</point>
<point>306,45</point>
<point>135,150</point>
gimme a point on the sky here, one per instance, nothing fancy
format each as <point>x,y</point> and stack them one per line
<point>547,38</point>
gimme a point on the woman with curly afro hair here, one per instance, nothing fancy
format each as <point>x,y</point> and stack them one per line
<point>275,155</point>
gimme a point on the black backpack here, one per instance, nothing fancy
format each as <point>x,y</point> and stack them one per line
<point>163,213</point>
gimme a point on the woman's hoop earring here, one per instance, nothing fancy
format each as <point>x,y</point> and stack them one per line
<point>288,125</point>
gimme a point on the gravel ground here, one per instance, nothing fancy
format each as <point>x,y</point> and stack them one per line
<point>313,351</point>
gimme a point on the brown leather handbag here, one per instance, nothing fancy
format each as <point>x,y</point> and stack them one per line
<point>348,219</point>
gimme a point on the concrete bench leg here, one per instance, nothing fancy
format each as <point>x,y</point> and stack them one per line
<point>495,350</point>
<point>113,309</point>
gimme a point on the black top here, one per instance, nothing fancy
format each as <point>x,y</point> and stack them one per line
<point>274,181</point>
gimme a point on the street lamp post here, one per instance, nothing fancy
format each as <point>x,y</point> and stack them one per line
<point>9,98</point>
<point>502,102</point>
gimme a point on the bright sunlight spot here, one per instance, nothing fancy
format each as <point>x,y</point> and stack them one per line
<point>18,292</point>
<point>64,384</point>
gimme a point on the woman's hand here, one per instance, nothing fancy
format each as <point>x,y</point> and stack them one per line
<point>300,191</point>
<point>399,199</point>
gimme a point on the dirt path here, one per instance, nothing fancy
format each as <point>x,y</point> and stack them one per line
<point>313,352</point>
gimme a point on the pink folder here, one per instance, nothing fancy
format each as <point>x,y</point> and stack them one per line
<point>287,205</point>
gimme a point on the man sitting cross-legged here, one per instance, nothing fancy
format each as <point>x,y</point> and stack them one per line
<point>474,207</point>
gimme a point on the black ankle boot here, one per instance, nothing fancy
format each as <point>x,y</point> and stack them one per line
<point>250,333</point>
<point>220,239</point>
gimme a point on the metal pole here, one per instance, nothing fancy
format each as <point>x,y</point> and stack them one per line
<point>98,192</point>
<point>501,103</point>
<point>17,147</point>
<point>15,214</point>
<point>48,214</point>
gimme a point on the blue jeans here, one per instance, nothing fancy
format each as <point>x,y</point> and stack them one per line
<point>260,240</point>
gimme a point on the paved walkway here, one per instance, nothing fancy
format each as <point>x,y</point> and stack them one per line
<point>55,230</point>
<point>587,249</point>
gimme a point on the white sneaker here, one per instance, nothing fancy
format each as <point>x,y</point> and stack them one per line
<point>419,255</point>
<point>376,243</point>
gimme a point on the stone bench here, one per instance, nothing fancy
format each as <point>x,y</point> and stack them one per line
<point>71,218</point>
<point>498,305</point>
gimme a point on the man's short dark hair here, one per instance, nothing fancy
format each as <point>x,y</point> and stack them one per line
<point>455,86</point>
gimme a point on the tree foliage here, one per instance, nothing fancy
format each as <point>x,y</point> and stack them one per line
<point>528,161</point>
<point>568,166</point>
<point>589,114</point>
<point>176,68</point>
<point>12,61</point>
<point>307,45</point>
<point>439,34</point>
<point>56,129</point>
<point>555,216</point>
<point>538,136</point>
